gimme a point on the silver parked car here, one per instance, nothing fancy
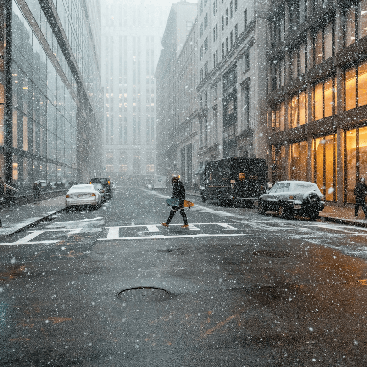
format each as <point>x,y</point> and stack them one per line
<point>290,198</point>
<point>84,194</point>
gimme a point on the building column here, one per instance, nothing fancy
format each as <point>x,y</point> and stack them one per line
<point>340,139</point>
<point>8,116</point>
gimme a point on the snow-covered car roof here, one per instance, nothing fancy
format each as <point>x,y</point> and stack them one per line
<point>299,186</point>
<point>82,187</point>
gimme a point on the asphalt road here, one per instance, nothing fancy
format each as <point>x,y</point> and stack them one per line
<point>111,287</point>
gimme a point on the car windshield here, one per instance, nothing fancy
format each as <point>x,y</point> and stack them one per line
<point>280,187</point>
<point>82,188</point>
<point>98,186</point>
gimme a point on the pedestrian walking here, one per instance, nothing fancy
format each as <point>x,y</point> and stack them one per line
<point>360,192</point>
<point>178,192</point>
<point>36,191</point>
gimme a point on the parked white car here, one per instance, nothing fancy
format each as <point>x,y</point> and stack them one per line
<point>290,198</point>
<point>84,194</point>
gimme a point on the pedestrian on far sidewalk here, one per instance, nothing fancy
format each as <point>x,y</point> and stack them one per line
<point>360,192</point>
<point>36,191</point>
<point>178,192</point>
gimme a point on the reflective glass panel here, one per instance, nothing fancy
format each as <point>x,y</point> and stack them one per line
<point>350,26</point>
<point>350,89</point>
<point>329,167</point>
<point>362,84</point>
<point>328,98</point>
<point>351,144</point>
<point>318,102</point>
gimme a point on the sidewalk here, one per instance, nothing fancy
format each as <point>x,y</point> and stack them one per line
<point>16,218</point>
<point>333,213</point>
<point>343,215</point>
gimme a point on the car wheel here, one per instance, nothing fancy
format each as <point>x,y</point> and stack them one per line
<point>285,213</point>
<point>314,215</point>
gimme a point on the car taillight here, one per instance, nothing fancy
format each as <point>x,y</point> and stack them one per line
<point>67,196</point>
<point>93,194</point>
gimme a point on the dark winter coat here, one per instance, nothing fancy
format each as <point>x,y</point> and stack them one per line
<point>178,191</point>
<point>360,192</point>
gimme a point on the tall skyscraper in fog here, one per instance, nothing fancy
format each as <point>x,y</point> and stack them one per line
<point>131,44</point>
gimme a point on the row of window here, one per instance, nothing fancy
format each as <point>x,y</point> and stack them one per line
<point>319,160</point>
<point>324,99</point>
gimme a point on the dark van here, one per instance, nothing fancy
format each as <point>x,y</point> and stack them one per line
<point>235,180</point>
<point>105,182</point>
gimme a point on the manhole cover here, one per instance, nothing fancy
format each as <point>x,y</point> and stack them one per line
<point>147,294</point>
<point>274,254</point>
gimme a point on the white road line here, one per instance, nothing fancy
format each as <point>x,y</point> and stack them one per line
<point>227,226</point>
<point>202,235</point>
<point>192,227</point>
<point>28,238</point>
<point>152,228</point>
<point>113,233</point>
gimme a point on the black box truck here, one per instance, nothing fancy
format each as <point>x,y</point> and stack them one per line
<point>234,181</point>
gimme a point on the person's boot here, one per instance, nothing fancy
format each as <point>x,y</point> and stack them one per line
<point>165,224</point>
<point>185,226</point>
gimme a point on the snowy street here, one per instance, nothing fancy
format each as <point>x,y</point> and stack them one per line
<point>112,287</point>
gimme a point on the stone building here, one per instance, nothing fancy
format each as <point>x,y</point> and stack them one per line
<point>49,90</point>
<point>232,79</point>
<point>317,94</point>
<point>131,32</point>
<point>228,113</point>
<point>177,102</point>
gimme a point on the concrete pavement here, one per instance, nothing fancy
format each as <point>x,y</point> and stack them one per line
<point>17,218</point>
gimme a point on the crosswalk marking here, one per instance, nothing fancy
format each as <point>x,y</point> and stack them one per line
<point>200,235</point>
<point>192,227</point>
<point>152,228</point>
<point>227,226</point>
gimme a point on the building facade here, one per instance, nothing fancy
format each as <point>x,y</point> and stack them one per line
<point>131,32</point>
<point>177,102</point>
<point>229,108</point>
<point>50,93</point>
<point>317,117</point>
<point>232,42</point>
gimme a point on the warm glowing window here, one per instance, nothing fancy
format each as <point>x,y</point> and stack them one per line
<point>15,171</point>
<point>15,129</point>
<point>350,89</point>
<point>302,108</point>
<point>318,102</point>
<point>351,144</point>
<point>1,124</point>
<point>328,98</point>
<point>363,152</point>
<point>298,165</point>
<point>319,162</point>
<point>362,84</point>
<point>295,113</point>
<point>25,133</point>
<point>330,167</point>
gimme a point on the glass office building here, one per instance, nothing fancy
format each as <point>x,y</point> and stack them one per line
<point>317,118</point>
<point>49,92</point>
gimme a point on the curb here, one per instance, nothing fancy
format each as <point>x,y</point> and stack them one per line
<point>348,222</point>
<point>32,224</point>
